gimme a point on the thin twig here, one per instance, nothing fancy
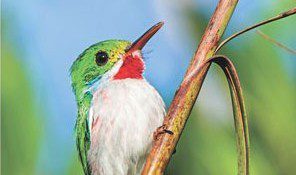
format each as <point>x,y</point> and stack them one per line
<point>278,17</point>
<point>268,38</point>
<point>239,112</point>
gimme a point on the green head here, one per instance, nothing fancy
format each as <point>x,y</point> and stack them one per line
<point>101,60</point>
<point>94,62</point>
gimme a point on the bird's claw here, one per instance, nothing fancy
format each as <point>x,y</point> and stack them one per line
<point>174,152</point>
<point>161,130</point>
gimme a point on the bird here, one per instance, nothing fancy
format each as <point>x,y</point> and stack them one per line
<point>118,109</point>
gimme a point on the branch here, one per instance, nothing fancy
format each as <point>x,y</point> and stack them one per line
<point>188,91</point>
<point>278,17</point>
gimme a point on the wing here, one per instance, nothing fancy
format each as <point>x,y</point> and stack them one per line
<point>83,134</point>
<point>83,143</point>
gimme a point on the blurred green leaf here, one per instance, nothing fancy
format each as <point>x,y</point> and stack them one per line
<point>74,167</point>
<point>20,125</point>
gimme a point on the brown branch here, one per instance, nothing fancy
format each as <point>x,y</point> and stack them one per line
<point>188,91</point>
<point>278,17</point>
<point>268,38</point>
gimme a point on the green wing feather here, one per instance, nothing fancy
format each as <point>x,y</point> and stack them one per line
<point>83,133</point>
<point>84,71</point>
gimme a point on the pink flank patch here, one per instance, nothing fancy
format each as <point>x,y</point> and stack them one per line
<point>132,67</point>
<point>97,120</point>
<point>96,124</point>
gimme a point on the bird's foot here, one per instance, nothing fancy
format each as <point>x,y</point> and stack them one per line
<point>161,130</point>
<point>174,152</point>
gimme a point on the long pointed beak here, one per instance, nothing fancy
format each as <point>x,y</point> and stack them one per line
<point>142,41</point>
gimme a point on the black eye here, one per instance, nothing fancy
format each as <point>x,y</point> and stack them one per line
<point>101,58</point>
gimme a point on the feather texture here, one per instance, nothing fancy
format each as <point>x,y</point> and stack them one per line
<point>122,118</point>
<point>83,132</point>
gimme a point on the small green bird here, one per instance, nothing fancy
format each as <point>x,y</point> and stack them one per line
<point>118,110</point>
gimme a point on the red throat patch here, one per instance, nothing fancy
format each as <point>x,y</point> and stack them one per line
<point>132,67</point>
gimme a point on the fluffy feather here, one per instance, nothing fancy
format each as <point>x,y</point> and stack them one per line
<point>123,116</point>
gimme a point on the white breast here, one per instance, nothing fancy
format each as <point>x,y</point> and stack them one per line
<point>123,116</point>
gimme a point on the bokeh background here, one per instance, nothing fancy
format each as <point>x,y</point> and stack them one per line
<point>40,40</point>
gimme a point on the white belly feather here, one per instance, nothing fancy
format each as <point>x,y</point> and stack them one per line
<point>123,116</point>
